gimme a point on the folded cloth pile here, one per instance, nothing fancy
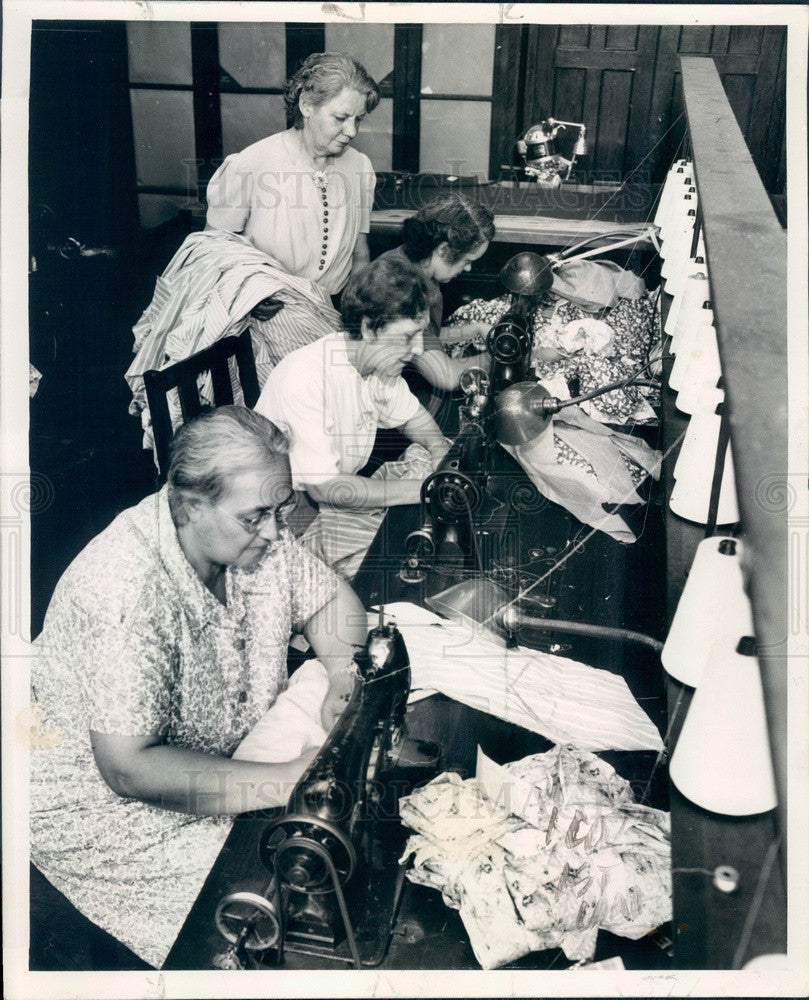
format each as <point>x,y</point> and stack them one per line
<point>568,854</point>
<point>208,292</point>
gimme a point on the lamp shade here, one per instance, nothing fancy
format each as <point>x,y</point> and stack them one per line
<point>695,291</point>
<point>722,760</point>
<point>702,372</point>
<point>691,496</point>
<point>713,603</point>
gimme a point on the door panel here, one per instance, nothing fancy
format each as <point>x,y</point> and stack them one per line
<point>600,75</point>
<point>748,58</point>
<point>622,81</point>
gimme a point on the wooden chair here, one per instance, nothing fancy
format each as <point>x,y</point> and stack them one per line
<point>183,376</point>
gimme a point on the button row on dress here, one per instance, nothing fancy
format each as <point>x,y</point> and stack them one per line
<point>324,246</point>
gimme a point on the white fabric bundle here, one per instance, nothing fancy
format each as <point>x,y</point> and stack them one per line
<point>544,866</point>
<point>564,700</point>
<point>292,723</point>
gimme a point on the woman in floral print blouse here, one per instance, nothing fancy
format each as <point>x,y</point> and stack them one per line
<point>164,643</point>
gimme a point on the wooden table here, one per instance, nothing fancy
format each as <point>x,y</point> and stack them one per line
<point>603,582</point>
<point>524,213</point>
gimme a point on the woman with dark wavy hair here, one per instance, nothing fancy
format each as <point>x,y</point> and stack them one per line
<point>330,397</point>
<point>443,239</point>
<point>304,196</point>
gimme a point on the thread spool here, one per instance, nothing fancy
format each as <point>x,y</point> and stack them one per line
<point>695,291</point>
<point>679,208</point>
<point>689,326</point>
<point>691,496</point>
<point>722,760</point>
<point>680,272</point>
<point>702,372</point>
<point>713,603</point>
<point>675,177</point>
<point>678,248</point>
<point>692,337</point>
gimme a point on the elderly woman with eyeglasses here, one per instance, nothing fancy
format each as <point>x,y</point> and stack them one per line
<point>164,643</point>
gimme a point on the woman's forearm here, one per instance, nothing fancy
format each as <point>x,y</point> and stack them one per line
<point>192,782</point>
<point>363,493</point>
<point>338,629</point>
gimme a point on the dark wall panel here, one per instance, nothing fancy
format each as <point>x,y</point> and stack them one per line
<point>740,89</point>
<point>568,94</point>
<point>621,37</point>
<point>746,39</point>
<point>695,40</point>
<point>573,36</point>
<point>613,120</point>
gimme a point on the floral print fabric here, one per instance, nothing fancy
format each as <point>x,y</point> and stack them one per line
<point>577,855</point>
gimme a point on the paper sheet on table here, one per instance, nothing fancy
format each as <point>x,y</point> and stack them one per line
<point>564,700</point>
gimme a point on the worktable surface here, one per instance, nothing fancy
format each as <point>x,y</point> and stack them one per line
<point>524,212</point>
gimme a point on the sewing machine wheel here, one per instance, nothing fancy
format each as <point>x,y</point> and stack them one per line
<point>474,382</point>
<point>451,495</point>
<point>294,848</point>
<point>507,343</point>
<point>240,910</point>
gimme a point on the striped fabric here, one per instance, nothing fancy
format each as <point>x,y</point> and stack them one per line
<point>341,537</point>
<point>565,701</point>
<point>206,293</point>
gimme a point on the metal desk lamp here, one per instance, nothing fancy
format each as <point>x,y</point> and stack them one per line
<point>538,149</point>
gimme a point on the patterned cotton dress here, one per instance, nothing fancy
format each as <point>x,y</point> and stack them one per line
<point>134,643</point>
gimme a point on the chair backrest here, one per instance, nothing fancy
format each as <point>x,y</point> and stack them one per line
<point>183,376</point>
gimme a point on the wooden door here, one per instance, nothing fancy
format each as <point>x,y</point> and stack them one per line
<point>750,59</point>
<point>600,75</point>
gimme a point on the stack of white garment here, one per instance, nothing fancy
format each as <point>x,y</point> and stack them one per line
<point>564,700</point>
<point>292,723</point>
<point>557,850</point>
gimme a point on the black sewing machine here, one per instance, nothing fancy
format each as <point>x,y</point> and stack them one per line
<point>462,529</point>
<point>330,886</point>
<point>510,341</point>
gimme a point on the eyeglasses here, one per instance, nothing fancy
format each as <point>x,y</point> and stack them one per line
<point>281,514</point>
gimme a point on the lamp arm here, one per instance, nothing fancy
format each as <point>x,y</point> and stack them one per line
<point>608,388</point>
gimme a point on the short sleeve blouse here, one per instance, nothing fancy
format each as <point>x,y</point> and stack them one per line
<point>329,410</point>
<point>308,220</point>
<point>134,644</point>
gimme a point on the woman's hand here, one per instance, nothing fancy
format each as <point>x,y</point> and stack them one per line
<point>464,332</point>
<point>438,450</point>
<point>341,687</point>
